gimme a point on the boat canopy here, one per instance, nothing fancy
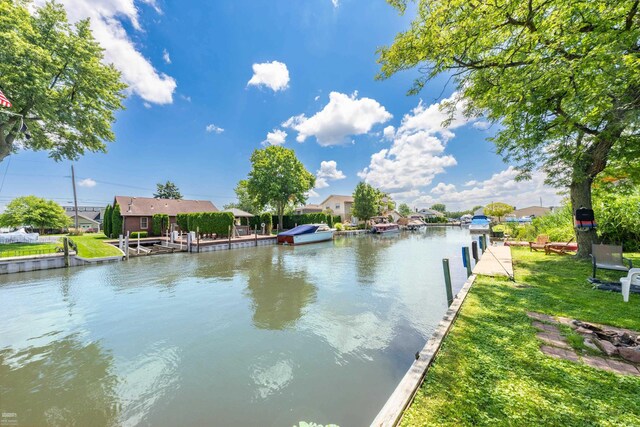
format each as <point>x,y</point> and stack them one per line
<point>480,219</point>
<point>301,229</point>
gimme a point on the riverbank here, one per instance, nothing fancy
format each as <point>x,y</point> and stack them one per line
<point>491,371</point>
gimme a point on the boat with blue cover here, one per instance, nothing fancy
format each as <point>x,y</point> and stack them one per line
<point>480,224</point>
<point>307,233</point>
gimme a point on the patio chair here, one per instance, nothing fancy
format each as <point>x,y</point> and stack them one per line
<point>633,278</point>
<point>609,257</point>
<point>540,242</point>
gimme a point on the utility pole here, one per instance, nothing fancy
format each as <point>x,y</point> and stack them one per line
<point>75,198</point>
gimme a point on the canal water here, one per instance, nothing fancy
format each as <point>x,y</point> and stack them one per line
<point>267,336</point>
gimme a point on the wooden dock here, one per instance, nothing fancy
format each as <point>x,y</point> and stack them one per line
<point>496,261</point>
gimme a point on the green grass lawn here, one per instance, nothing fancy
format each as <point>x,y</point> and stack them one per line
<point>490,370</point>
<point>91,245</point>
<point>24,249</point>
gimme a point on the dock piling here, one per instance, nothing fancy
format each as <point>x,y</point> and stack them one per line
<point>65,242</point>
<point>474,251</point>
<point>447,280</point>
<point>466,259</point>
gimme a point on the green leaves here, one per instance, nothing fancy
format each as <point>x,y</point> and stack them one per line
<point>278,178</point>
<point>167,191</point>
<point>366,201</point>
<point>53,74</point>
<point>32,211</point>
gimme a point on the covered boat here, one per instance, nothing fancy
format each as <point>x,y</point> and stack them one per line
<point>388,227</point>
<point>480,224</point>
<point>308,233</point>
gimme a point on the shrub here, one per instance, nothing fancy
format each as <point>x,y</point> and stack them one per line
<point>182,219</point>
<point>339,226</point>
<point>206,222</point>
<point>160,222</point>
<point>141,234</point>
<point>116,221</point>
<point>106,221</point>
<point>75,232</point>
<point>337,219</point>
<point>618,219</point>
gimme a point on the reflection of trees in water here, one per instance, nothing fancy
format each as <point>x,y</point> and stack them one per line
<point>279,294</point>
<point>368,250</point>
<point>63,383</point>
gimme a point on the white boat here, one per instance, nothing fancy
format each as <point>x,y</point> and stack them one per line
<point>383,228</point>
<point>307,233</point>
<point>480,224</point>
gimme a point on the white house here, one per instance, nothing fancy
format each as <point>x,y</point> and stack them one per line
<point>340,205</point>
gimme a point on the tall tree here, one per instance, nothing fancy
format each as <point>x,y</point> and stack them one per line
<point>54,76</point>
<point>35,212</point>
<point>560,76</point>
<point>244,201</point>
<point>116,221</point>
<point>404,209</point>
<point>106,221</point>
<point>366,202</point>
<point>167,191</point>
<point>278,178</point>
<point>440,207</point>
<point>497,209</point>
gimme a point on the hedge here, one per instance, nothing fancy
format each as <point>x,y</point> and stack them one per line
<point>160,222</point>
<point>116,221</point>
<point>290,221</point>
<point>134,234</point>
<point>206,222</point>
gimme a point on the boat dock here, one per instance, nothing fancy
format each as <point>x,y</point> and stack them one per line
<point>495,261</point>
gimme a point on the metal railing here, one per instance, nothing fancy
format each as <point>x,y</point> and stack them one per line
<point>27,252</point>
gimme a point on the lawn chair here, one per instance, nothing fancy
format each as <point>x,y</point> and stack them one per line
<point>540,242</point>
<point>609,257</point>
<point>633,278</point>
<point>560,248</point>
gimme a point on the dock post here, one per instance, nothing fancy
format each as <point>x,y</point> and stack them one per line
<point>447,280</point>
<point>126,245</point>
<point>198,239</point>
<point>485,242</point>
<point>65,242</point>
<point>255,233</point>
<point>474,250</point>
<point>481,243</point>
<point>467,259</point>
<point>229,232</point>
<point>120,243</point>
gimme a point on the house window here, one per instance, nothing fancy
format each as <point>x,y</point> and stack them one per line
<point>337,206</point>
<point>144,222</point>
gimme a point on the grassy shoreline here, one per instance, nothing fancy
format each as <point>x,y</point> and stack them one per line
<point>490,370</point>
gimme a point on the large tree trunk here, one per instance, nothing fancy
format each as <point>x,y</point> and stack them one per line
<point>280,208</point>
<point>581,197</point>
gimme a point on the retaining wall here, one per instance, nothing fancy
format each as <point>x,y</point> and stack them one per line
<point>234,245</point>
<point>48,262</point>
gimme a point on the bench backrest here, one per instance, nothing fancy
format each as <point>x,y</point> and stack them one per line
<point>607,254</point>
<point>542,239</point>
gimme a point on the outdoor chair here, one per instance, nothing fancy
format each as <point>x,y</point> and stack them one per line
<point>633,278</point>
<point>540,242</point>
<point>609,257</point>
<point>560,248</point>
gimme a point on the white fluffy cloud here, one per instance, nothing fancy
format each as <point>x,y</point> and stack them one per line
<point>137,72</point>
<point>312,193</point>
<point>344,115</point>
<point>213,128</point>
<point>416,155</point>
<point>329,170</point>
<point>276,137</point>
<point>87,182</point>
<point>166,57</point>
<point>481,125</point>
<point>443,188</point>
<point>321,183</point>
<point>501,187</point>
<point>273,75</point>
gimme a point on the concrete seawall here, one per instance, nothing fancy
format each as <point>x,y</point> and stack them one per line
<point>48,262</point>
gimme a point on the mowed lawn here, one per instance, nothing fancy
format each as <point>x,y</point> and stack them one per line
<point>490,370</point>
<point>25,249</point>
<point>91,245</point>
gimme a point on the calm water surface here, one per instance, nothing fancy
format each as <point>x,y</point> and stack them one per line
<point>267,336</point>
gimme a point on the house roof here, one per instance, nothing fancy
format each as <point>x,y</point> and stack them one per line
<point>531,210</point>
<point>239,213</point>
<point>432,212</point>
<point>147,206</point>
<point>87,217</point>
<point>338,198</point>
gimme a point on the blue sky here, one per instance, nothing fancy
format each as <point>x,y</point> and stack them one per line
<point>210,81</point>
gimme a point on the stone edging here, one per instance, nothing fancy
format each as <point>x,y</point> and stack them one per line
<point>404,393</point>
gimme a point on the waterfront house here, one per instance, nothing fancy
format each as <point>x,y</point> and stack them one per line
<point>86,220</point>
<point>339,205</point>
<point>308,209</point>
<point>428,213</point>
<point>531,211</point>
<point>137,212</point>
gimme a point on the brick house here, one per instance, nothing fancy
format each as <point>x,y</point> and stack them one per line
<point>137,212</point>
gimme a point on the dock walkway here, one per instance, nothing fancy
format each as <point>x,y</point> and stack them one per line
<point>496,261</point>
